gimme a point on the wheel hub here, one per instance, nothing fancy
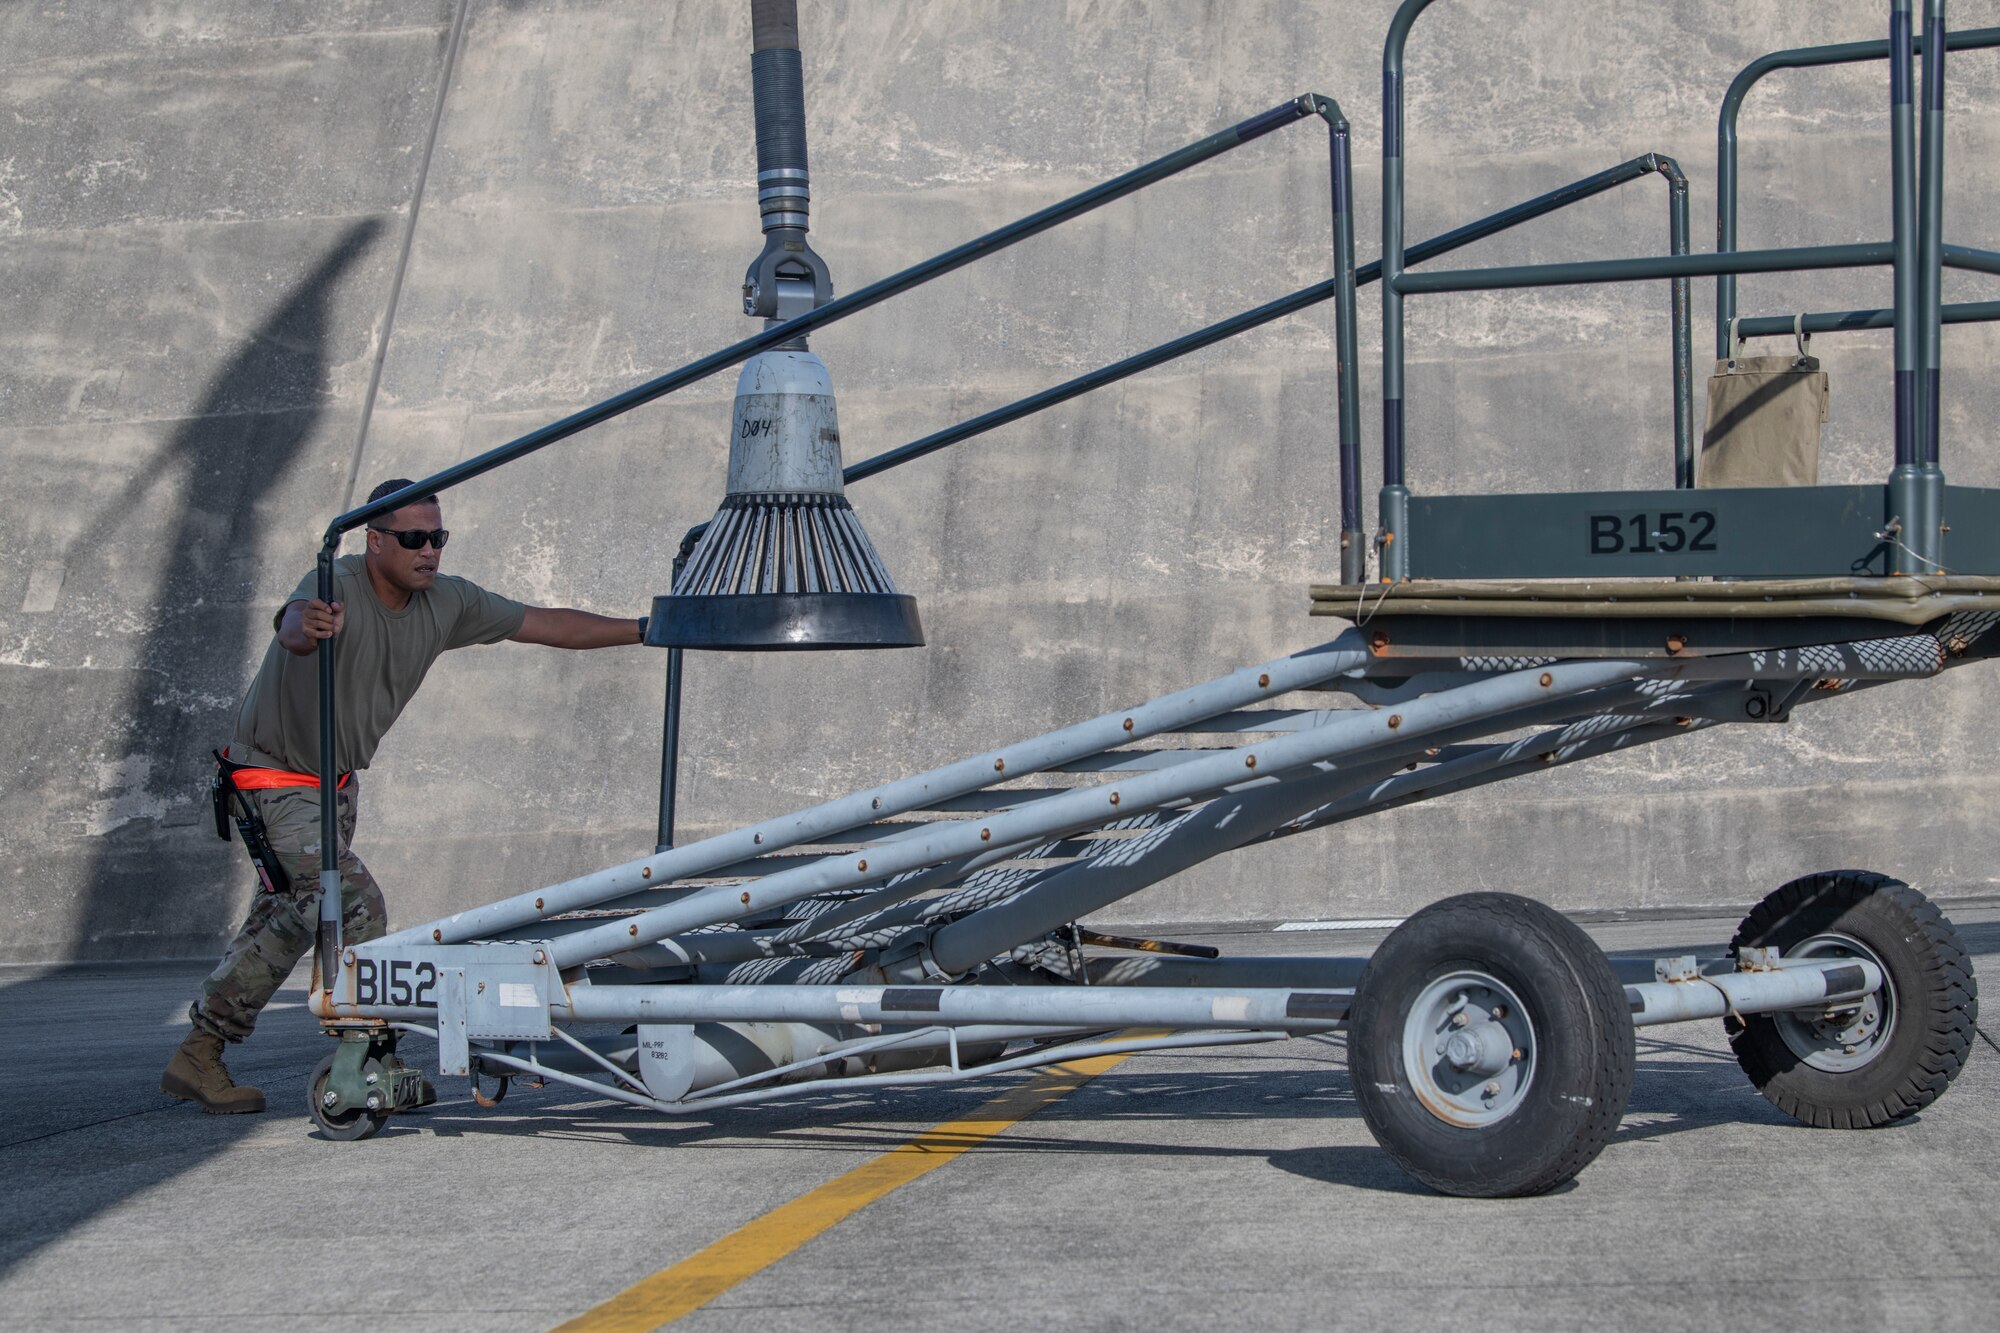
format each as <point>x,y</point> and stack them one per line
<point>1480,1049</point>
<point>1843,1039</point>
<point>1468,1048</point>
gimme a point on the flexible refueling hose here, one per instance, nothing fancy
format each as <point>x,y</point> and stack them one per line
<point>777,80</point>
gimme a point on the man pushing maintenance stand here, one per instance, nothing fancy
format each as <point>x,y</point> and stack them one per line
<point>394,615</point>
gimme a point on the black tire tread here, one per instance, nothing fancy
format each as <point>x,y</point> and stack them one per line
<point>1616,1054</point>
<point>1949,1008</point>
<point>1617,1050</point>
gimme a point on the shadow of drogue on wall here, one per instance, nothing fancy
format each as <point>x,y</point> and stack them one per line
<point>166,885</point>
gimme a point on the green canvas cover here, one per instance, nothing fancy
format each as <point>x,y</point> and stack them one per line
<point>1764,415</point>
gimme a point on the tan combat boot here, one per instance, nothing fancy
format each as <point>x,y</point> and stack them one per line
<point>197,1074</point>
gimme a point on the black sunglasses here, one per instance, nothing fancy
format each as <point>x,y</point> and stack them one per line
<point>413,539</point>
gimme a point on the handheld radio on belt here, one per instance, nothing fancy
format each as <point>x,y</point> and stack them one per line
<point>224,793</point>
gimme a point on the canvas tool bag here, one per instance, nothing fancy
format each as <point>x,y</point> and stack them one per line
<point>1764,419</point>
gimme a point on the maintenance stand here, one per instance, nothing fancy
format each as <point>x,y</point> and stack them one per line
<point>925,930</point>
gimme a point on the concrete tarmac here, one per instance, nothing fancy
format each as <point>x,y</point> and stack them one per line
<point>1231,1188</point>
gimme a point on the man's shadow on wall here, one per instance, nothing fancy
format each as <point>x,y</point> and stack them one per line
<point>221,474</point>
<point>166,884</point>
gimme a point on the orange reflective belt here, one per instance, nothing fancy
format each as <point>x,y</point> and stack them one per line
<point>266,779</point>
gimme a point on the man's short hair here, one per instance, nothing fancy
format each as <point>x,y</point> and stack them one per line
<point>400,483</point>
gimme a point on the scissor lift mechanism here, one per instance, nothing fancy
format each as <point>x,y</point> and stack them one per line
<point>925,930</point>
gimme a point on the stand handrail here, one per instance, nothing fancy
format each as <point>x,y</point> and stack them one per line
<point>1726,165</point>
<point>1223,141</point>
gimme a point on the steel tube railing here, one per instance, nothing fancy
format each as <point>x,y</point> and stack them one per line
<point>1491,225</point>
<point>1395,494</point>
<point>1930,226</point>
<point>840,308</point>
<point>1864,254</point>
<point>1916,486</point>
<point>1681,316</point>
<point>1965,257</point>
<point>1726,166</point>
<point>1305,297</point>
<point>1346,347</point>
<point>1903,212</point>
<point>1847,321</point>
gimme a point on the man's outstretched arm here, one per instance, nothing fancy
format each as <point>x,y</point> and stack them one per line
<point>566,627</point>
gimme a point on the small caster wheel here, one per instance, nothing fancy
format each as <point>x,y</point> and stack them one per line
<point>482,1098</point>
<point>345,1126</point>
<point>1886,1056</point>
<point>1491,1047</point>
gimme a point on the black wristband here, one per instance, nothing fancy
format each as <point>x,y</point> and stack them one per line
<point>642,627</point>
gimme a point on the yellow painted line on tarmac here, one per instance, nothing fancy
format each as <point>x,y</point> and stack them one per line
<point>756,1245</point>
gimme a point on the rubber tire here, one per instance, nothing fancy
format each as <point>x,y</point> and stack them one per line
<point>1930,978</point>
<point>1584,1046</point>
<point>354,1125</point>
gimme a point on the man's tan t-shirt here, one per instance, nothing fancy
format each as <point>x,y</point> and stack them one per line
<point>380,657</point>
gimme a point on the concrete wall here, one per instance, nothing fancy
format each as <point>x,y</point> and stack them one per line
<point>203,206</point>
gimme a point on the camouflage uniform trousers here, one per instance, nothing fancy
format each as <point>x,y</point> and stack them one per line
<point>281,926</point>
